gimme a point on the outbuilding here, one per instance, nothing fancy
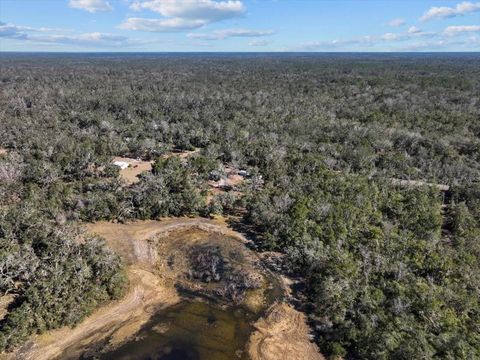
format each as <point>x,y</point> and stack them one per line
<point>121,164</point>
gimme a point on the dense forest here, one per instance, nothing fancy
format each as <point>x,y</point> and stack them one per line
<point>391,268</point>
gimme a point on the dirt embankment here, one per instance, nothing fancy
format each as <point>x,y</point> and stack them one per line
<point>116,321</point>
<point>5,300</point>
<point>282,335</point>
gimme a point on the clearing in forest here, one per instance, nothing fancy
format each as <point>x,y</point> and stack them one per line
<point>156,254</point>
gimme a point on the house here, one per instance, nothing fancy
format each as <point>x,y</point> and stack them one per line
<point>121,164</point>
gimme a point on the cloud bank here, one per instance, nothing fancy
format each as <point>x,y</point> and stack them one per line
<point>449,12</point>
<point>455,30</point>
<point>179,15</point>
<point>96,39</point>
<point>91,6</point>
<point>228,33</point>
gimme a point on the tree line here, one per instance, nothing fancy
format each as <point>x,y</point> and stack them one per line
<point>390,272</point>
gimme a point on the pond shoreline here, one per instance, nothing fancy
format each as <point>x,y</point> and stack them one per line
<point>143,245</point>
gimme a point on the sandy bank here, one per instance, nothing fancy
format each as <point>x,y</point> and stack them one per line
<point>115,321</point>
<point>282,335</point>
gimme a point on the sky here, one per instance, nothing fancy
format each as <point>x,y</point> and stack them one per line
<point>239,25</point>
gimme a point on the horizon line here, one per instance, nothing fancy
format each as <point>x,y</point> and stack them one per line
<point>235,52</point>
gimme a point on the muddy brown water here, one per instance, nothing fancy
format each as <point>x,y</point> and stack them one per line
<point>198,328</point>
<point>191,330</point>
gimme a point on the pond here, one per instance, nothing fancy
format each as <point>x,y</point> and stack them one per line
<point>198,328</point>
<point>191,330</point>
<point>214,319</point>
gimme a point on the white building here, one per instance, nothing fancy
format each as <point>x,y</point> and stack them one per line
<point>121,164</point>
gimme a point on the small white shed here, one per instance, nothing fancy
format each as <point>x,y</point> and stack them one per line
<point>121,164</point>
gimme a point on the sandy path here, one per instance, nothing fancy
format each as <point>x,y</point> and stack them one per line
<point>118,320</point>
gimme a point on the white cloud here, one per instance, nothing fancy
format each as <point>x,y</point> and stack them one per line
<point>414,30</point>
<point>39,35</point>
<point>396,22</point>
<point>20,30</point>
<point>181,15</point>
<point>161,25</point>
<point>371,41</point>
<point>258,42</point>
<point>442,44</point>
<point>461,29</point>
<point>95,39</point>
<point>432,42</point>
<point>337,44</point>
<point>449,12</point>
<point>227,33</point>
<point>91,5</point>
<point>203,44</point>
<point>136,6</point>
<point>390,36</point>
<point>12,31</point>
<point>208,10</point>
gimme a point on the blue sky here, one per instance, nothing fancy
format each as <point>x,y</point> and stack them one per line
<point>239,25</point>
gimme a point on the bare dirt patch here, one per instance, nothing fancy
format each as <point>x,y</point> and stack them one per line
<point>282,335</point>
<point>5,301</point>
<point>168,244</point>
<point>3,152</point>
<point>230,180</point>
<point>135,168</point>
